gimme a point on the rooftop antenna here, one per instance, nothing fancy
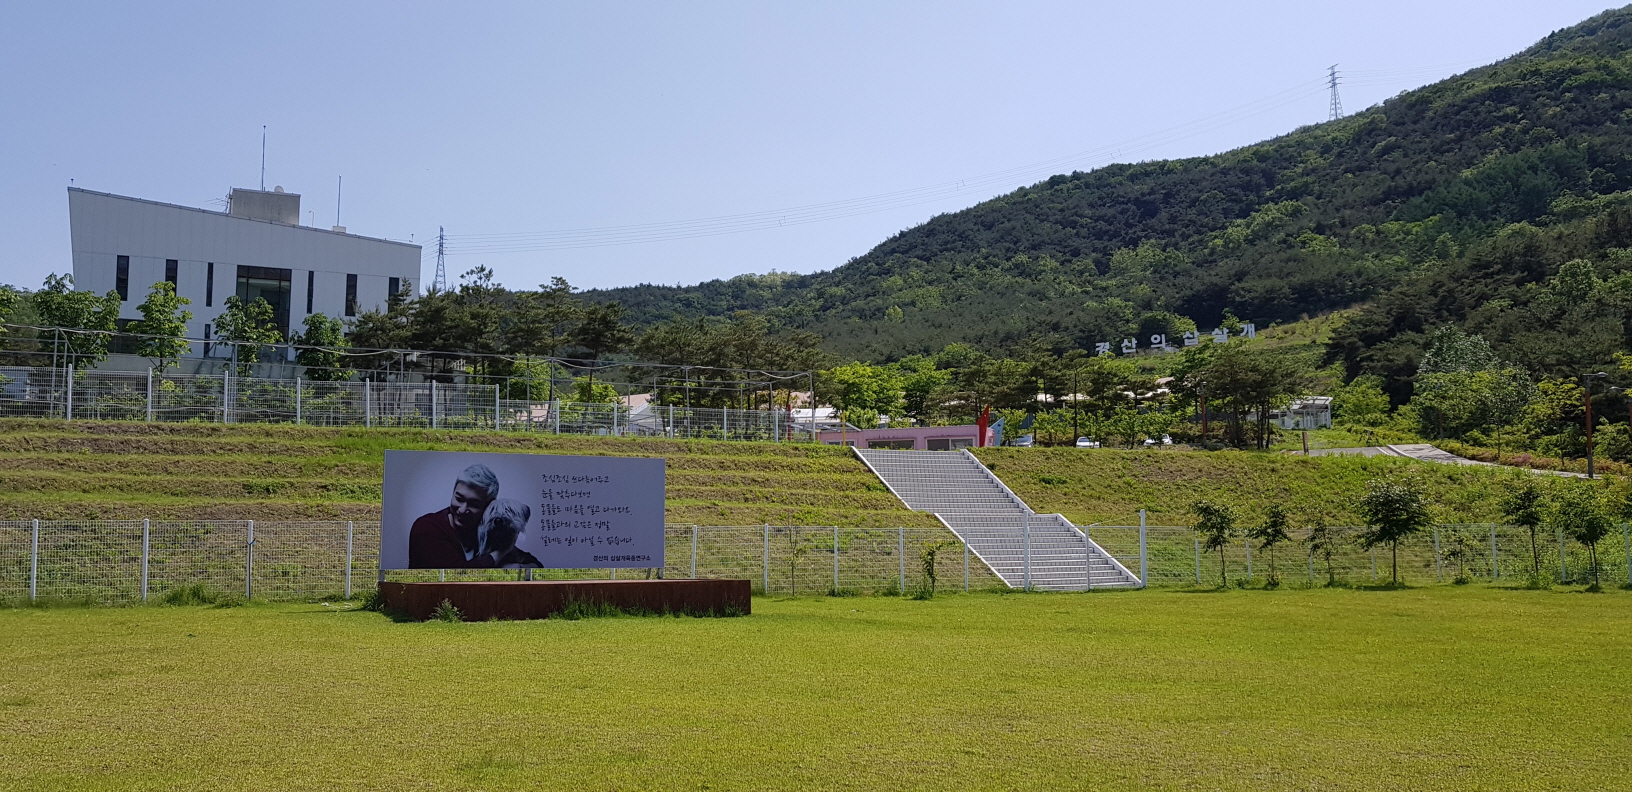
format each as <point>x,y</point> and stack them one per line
<point>441,250</point>
<point>340,182</point>
<point>1337,103</point>
<point>263,158</point>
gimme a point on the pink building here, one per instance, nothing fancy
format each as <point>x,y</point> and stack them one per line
<point>916,438</point>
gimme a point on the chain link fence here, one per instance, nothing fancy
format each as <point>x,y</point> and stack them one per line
<point>118,561</point>
<point>67,393</point>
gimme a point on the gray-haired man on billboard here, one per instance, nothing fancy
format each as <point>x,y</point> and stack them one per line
<point>447,538</point>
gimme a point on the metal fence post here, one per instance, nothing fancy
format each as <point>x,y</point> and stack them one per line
<point>349,531</point>
<point>150,394</point>
<point>368,404</point>
<point>1144,558</point>
<point>146,531</point>
<point>1373,565</point>
<point>1248,542</point>
<point>965,567</point>
<point>694,552</point>
<point>69,411</point>
<point>249,564</point>
<point>1438,569</point>
<point>297,401</point>
<point>835,560</point>
<point>1311,566</point>
<point>1627,540</point>
<point>1563,568</point>
<point>1198,559</point>
<point>433,404</point>
<point>1025,539</point>
<point>495,408</point>
<point>901,554</point>
<point>766,561</point>
<point>34,564</point>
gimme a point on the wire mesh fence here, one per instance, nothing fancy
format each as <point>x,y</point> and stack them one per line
<point>115,561</point>
<point>69,393</point>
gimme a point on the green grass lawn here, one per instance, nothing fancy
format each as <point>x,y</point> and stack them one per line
<point>1453,688</point>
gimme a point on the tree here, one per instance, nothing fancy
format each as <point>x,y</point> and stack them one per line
<point>860,390</point>
<point>1245,379</point>
<point>60,306</point>
<point>1522,504</point>
<point>1215,525</point>
<point>164,323</point>
<point>9,298</point>
<point>1362,402</point>
<point>1324,540</point>
<point>1577,509</point>
<point>1392,511</point>
<point>601,331</point>
<point>1271,532</point>
<point>322,349</point>
<point>249,326</point>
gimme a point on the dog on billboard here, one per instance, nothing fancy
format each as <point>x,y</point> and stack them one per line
<point>503,525</point>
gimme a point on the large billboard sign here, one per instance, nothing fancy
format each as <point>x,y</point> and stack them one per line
<point>462,510</point>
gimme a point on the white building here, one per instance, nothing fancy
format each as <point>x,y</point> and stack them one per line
<point>257,248</point>
<point>1314,412</point>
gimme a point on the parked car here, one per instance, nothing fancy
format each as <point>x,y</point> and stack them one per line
<point>1087,442</point>
<point>1023,441</point>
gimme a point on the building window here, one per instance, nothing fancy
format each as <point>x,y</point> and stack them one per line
<point>206,340</point>
<point>311,285</point>
<point>209,285</point>
<point>351,295</point>
<point>121,277</point>
<point>396,285</point>
<point>170,267</point>
<point>270,284</point>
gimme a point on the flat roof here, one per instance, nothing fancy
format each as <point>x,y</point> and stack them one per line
<point>245,219</point>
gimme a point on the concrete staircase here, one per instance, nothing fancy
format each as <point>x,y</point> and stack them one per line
<point>994,522</point>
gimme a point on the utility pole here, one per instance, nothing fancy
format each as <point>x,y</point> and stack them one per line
<point>1331,81</point>
<point>441,282</point>
<point>1586,401</point>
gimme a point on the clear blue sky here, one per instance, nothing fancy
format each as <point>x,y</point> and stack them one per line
<point>533,117</point>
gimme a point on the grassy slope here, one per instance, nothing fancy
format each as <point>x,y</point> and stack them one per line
<point>1437,689</point>
<point>1111,486</point>
<point>49,469</point>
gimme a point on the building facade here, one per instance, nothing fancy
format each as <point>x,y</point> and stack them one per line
<point>256,248</point>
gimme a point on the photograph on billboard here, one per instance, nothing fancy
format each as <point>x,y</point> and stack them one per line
<point>473,510</point>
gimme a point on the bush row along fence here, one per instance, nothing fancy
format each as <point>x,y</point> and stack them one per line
<point>115,561</point>
<point>66,393</point>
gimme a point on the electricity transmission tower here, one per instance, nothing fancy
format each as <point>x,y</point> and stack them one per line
<point>1337,103</point>
<point>441,282</point>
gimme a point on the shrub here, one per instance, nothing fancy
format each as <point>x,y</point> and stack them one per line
<point>446,612</point>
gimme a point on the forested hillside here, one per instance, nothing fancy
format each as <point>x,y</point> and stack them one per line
<point>1457,203</point>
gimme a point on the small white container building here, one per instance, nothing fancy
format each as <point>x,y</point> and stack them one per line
<point>1314,412</point>
<point>257,248</point>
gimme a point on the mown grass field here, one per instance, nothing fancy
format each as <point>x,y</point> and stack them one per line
<point>127,470</point>
<point>1446,688</point>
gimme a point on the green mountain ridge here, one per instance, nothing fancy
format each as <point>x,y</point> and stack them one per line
<point>1426,209</point>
